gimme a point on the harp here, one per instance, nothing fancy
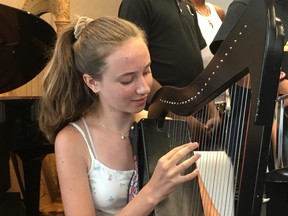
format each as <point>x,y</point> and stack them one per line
<point>253,48</point>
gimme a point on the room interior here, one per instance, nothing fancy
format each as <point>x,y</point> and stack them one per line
<point>57,14</point>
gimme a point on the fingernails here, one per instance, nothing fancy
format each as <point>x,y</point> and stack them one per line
<point>195,144</point>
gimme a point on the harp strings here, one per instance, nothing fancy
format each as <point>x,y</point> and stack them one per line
<point>238,127</point>
<point>221,147</point>
<point>180,133</point>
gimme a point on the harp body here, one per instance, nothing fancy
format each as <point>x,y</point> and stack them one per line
<point>149,153</point>
<point>254,46</point>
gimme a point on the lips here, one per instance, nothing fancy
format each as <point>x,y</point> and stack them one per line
<point>141,101</point>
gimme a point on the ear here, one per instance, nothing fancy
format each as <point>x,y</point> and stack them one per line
<point>91,83</point>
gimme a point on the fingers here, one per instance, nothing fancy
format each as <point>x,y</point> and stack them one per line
<point>189,176</point>
<point>212,123</point>
<point>209,125</point>
<point>181,159</point>
<point>170,169</point>
<point>184,171</point>
<point>181,151</point>
<point>188,162</point>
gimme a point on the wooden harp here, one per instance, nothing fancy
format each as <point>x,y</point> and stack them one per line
<point>253,47</point>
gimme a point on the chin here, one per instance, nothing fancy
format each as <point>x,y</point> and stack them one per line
<point>139,109</point>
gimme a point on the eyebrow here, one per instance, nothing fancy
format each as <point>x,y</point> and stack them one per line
<point>132,72</point>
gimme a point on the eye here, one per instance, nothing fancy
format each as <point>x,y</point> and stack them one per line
<point>148,71</point>
<point>126,80</point>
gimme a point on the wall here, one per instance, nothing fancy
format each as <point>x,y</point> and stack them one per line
<point>96,8</point>
<point>91,8</point>
<point>49,192</point>
<point>221,3</point>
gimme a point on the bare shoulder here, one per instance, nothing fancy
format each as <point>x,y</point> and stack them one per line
<point>69,143</point>
<point>67,135</point>
<point>220,11</point>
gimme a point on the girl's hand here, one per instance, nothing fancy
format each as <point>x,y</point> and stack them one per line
<point>169,170</point>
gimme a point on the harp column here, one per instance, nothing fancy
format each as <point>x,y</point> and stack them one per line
<point>61,10</point>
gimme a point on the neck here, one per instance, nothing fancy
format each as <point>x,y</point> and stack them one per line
<point>202,8</point>
<point>113,119</point>
<point>198,3</point>
<point>116,124</point>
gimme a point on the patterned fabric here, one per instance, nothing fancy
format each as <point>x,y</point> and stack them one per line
<point>134,183</point>
<point>108,186</point>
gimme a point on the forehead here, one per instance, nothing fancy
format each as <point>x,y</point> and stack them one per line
<point>131,53</point>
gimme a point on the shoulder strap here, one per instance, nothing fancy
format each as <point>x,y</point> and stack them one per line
<point>84,137</point>
<point>92,146</point>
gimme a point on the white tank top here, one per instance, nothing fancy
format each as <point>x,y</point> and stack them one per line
<point>209,26</point>
<point>109,187</point>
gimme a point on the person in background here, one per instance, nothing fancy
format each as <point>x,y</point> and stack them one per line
<point>175,43</point>
<point>97,84</point>
<point>282,90</point>
<point>174,38</point>
<point>281,10</point>
<point>210,18</point>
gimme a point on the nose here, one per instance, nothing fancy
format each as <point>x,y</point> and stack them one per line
<point>144,86</point>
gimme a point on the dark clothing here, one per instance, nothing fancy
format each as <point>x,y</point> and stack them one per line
<point>174,38</point>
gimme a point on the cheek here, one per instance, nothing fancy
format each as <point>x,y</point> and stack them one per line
<point>120,94</point>
<point>149,80</point>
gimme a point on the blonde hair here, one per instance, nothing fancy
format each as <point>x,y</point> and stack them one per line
<point>65,96</point>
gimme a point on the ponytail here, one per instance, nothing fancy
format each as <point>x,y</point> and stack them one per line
<point>63,88</point>
<point>81,48</point>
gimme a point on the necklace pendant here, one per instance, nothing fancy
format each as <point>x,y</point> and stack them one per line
<point>210,23</point>
<point>123,137</point>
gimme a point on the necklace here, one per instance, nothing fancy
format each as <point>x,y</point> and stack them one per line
<point>122,135</point>
<point>206,14</point>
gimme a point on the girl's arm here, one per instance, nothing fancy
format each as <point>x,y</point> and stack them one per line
<point>72,173</point>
